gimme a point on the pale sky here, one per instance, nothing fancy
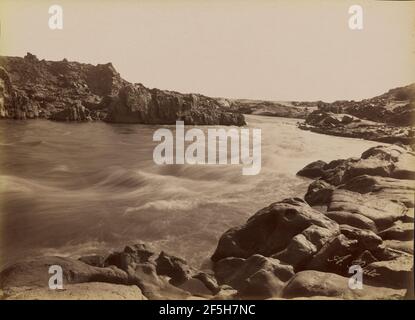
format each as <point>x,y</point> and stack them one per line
<point>275,50</point>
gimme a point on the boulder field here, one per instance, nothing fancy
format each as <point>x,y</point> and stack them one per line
<point>357,211</point>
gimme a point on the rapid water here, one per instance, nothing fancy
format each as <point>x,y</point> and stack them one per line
<point>80,188</point>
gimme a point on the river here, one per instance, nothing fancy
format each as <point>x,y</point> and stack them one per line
<point>74,189</point>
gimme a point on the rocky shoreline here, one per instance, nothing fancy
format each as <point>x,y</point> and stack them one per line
<point>387,118</point>
<point>357,211</point>
<point>71,91</point>
<point>338,125</point>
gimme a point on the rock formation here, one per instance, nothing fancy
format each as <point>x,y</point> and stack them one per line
<point>386,118</point>
<point>137,272</point>
<point>70,91</point>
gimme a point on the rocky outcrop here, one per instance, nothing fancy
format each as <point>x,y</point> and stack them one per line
<point>313,170</point>
<point>361,129</point>
<point>319,192</point>
<point>137,272</point>
<point>382,212</point>
<point>360,219</point>
<point>76,112</point>
<point>383,188</point>
<point>78,291</point>
<point>353,219</point>
<point>399,231</point>
<point>323,284</point>
<point>396,273</point>
<point>35,273</point>
<point>296,235</point>
<point>159,275</point>
<point>372,186</point>
<point>137,104</point>
<point>272,229</point>
<point>70,91</point>
<point>371,198</point>
<point>391,161</point>
<point>387,118</point>
<point>395,107</point>
<point>6,93</point>
<point>257,277</point>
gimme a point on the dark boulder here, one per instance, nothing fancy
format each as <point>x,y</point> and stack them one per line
<point>271,229</point>
<point>257,277</point>
<point>313,170</point>
<point>319,193</point>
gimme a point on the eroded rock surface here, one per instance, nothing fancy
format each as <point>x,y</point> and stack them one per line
<point>271,229</point>
<point>388,118</point>
<point>70,91</point>
<point>137,272</point>
<point>323,284</point>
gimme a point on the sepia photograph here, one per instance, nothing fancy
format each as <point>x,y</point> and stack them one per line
<point>229,150</point>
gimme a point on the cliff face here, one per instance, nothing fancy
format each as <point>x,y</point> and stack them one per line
<point>136,103</point>
<point>72,91</point>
